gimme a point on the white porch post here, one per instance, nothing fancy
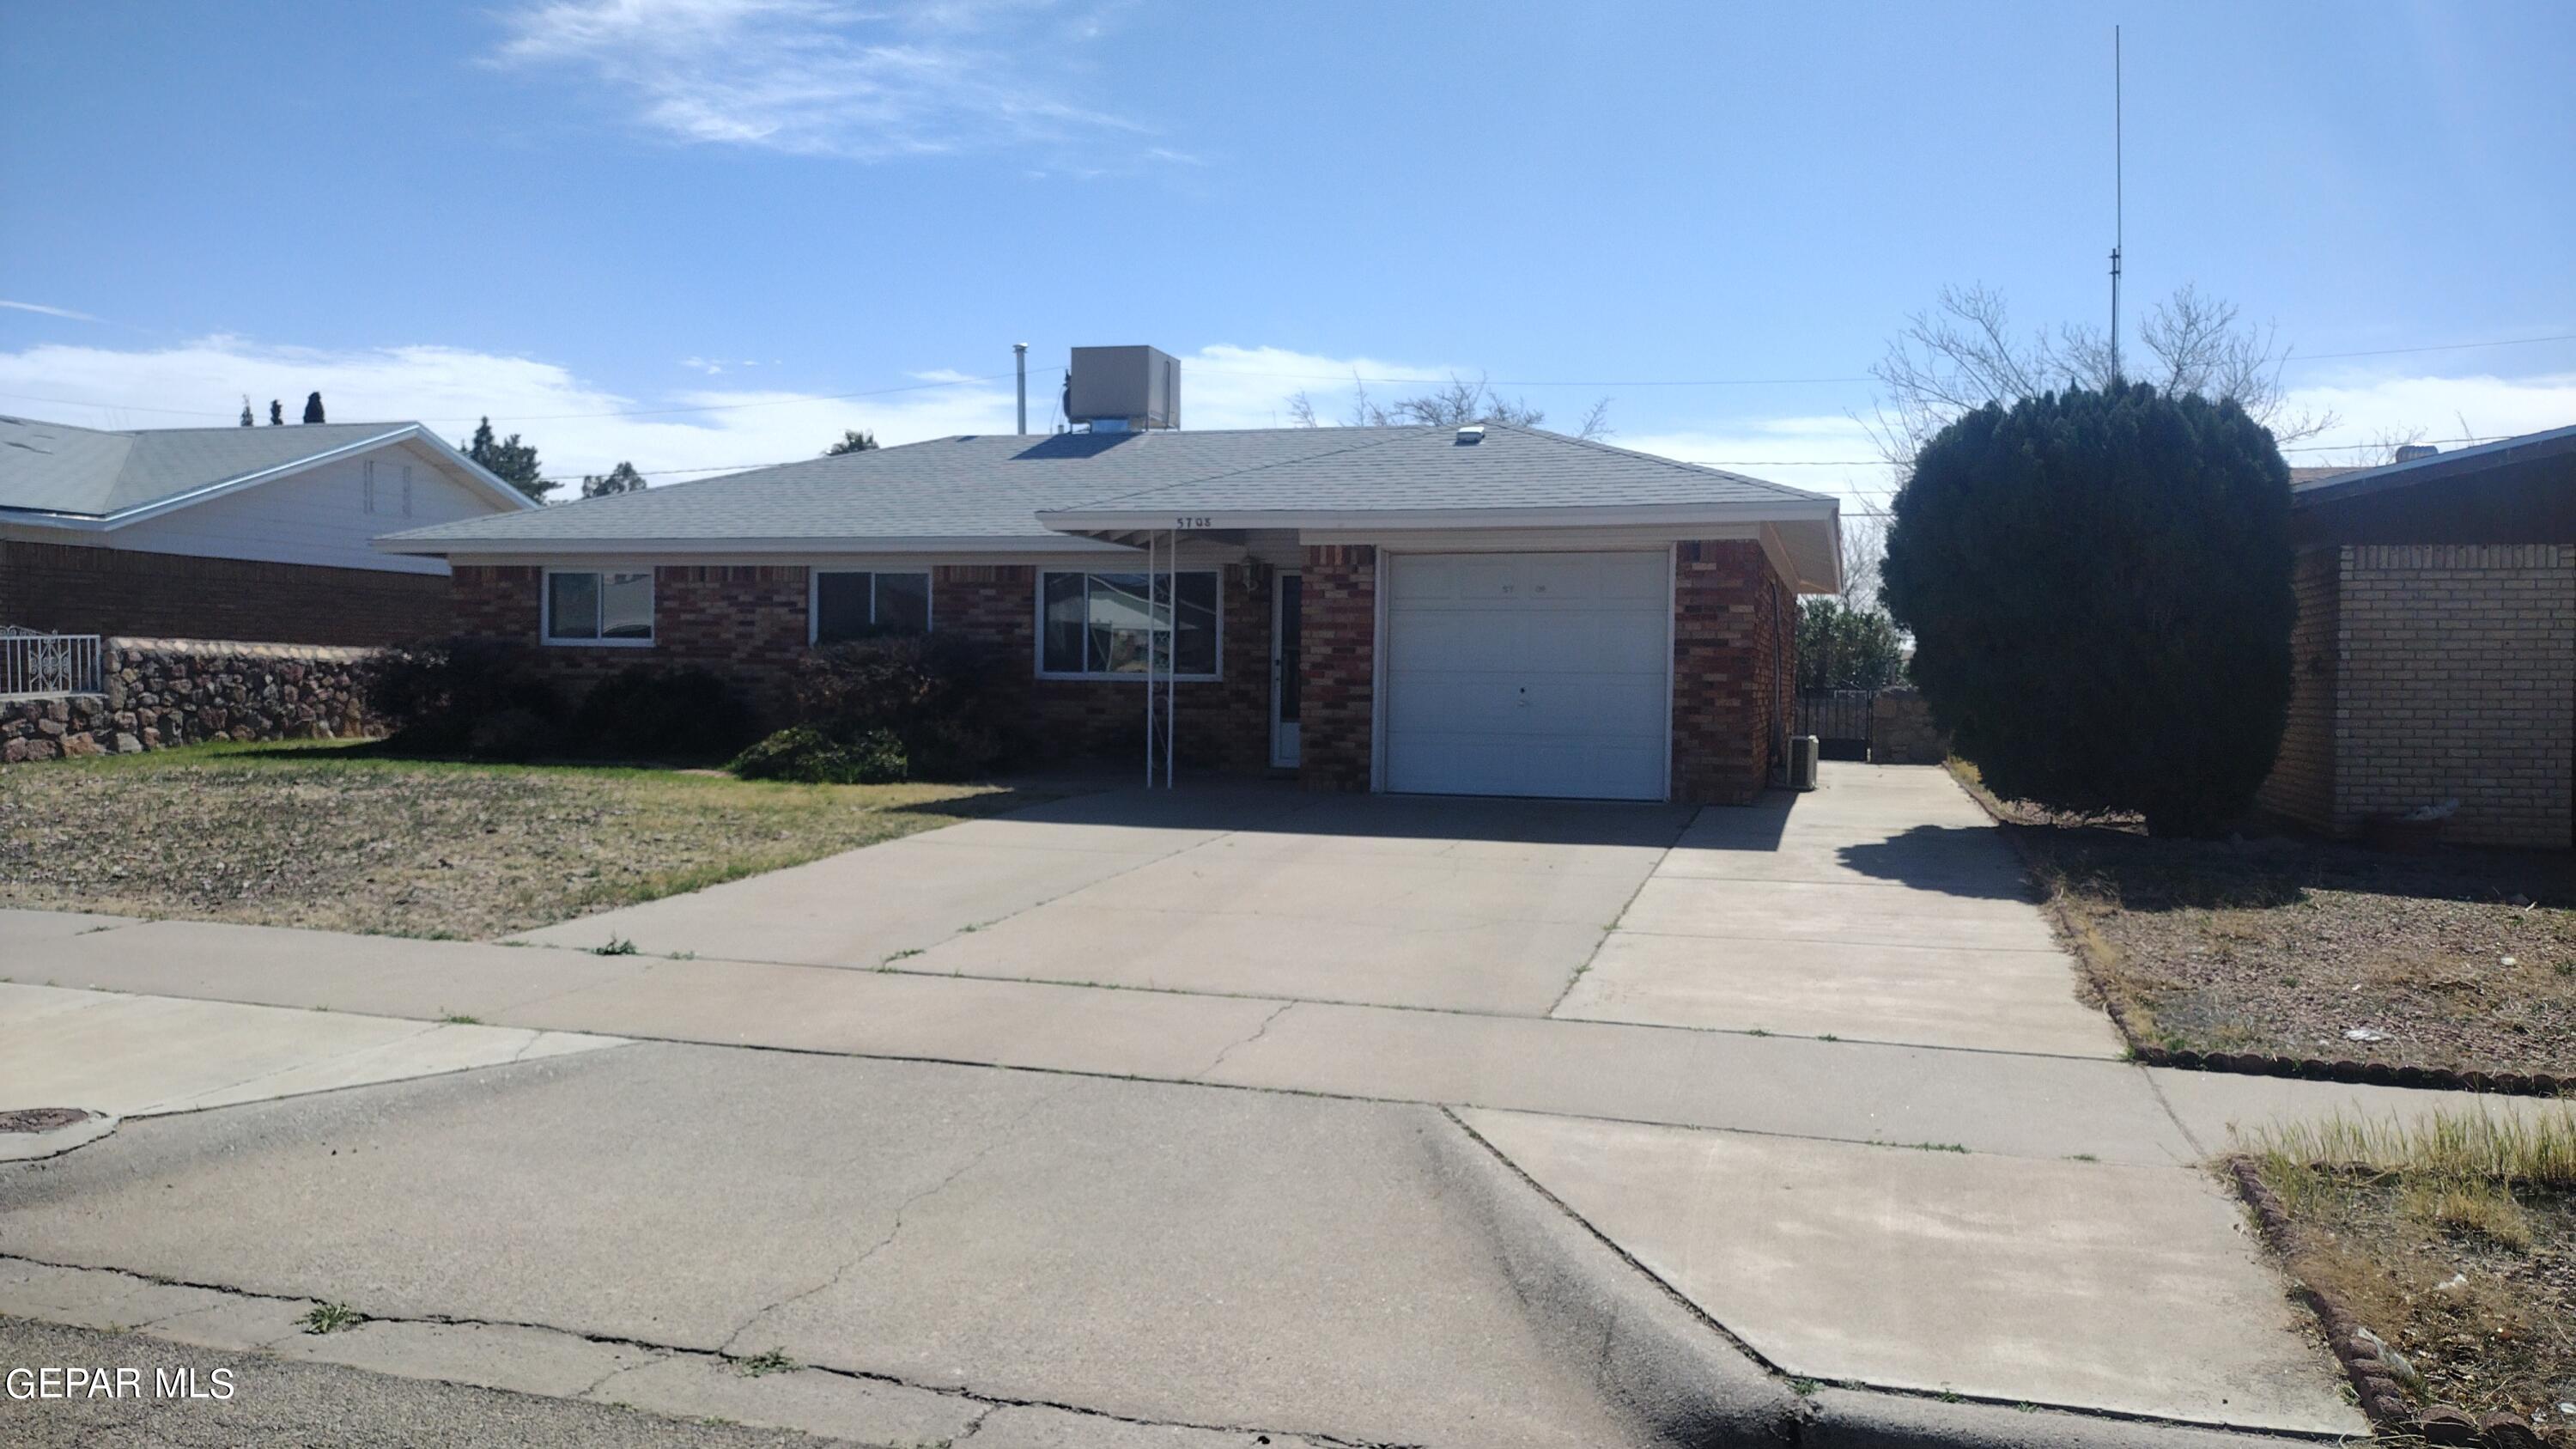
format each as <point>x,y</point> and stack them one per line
<point>1149,659</point>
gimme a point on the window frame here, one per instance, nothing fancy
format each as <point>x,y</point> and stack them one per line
<point>814,599</point>
<point>1037,638</point>
<point>546,609</point>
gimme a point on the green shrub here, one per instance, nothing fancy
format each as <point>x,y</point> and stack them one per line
<point>2098,586</point>
<point>478,697</point>
<point>662,712</point>
<point>940,698</point>
<point>807,755</point>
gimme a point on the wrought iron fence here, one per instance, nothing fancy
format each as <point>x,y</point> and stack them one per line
<point>42,664</point>
<point>1839,719</point>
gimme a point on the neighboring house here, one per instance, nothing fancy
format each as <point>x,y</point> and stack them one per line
<point>2435,651</point>
<point>1427,609</point>
<point>258,534</point>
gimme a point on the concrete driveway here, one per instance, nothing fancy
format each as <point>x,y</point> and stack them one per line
<point>1880,908</point>
<point>1446,904</point>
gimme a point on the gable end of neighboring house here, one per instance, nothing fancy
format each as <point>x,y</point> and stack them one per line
<point>2434,656</point>
<point>210,534</point>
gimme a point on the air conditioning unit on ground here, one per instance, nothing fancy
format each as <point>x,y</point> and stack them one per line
<point>1803,750</point>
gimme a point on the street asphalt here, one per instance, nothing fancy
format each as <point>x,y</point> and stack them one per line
<point>279,1404</point>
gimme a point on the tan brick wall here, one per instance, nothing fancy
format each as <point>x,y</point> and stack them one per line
<point>2301,785</point>
<point>81,589</point>
<point>2456,679</point>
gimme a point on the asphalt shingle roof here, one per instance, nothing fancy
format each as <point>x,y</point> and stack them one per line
<point>88,472</point>
<point>995,486</point>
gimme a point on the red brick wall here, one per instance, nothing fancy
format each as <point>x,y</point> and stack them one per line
<point>751,623</point>
<point>1733,655</point>
<point>82,589</point>
<point>1223,724</point>
<point>1338,661</point>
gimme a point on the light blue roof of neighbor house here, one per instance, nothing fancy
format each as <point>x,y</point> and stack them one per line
<point>90,473</point>
<point>1005,488</point>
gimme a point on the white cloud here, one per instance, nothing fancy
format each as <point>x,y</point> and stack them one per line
<point>2373,411</point>
<point>200,383</point>
<point>824,77</point>
<point>42,310</point>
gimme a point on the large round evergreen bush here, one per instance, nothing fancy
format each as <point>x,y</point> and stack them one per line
<point>2098,589</point>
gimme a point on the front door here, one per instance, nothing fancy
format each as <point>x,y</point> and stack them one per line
<point>1283,671</point>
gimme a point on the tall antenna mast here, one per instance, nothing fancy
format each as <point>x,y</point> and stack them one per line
<point>2119,201</point>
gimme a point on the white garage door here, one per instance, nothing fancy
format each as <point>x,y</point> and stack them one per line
<point>1527,674</point>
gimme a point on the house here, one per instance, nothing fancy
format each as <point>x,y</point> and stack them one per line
<point>1494,610</point>
<point>258,533</point>
<point>2435,650</point>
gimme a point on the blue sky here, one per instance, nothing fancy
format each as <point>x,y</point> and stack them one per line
<point>551,210</point>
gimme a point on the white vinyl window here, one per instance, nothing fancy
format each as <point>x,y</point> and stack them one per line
<point>1101,625</point>
<point>599,608</point>
<point>851,604</point>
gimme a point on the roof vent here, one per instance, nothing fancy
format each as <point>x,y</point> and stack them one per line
<point>1472,434</point>
<point>2409,452</point>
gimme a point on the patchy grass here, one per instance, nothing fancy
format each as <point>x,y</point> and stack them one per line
<point>2454,1240</point>
<point>2463,959</point>
<point>348,837</point>
<point>765,1363</point>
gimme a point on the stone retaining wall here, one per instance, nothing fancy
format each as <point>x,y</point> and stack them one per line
<point>163,692</point>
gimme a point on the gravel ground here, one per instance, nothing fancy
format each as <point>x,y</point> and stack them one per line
<point>280,1404</point>
<point>2463,959</point>
<point>335,838</point>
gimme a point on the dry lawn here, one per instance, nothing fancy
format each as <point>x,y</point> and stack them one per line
<point>345,837</point>
<point>2455,1243</point>
<point>2462,959</point>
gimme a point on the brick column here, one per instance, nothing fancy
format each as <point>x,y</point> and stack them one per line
<point>1731,663</point>
<point>1338,661</point>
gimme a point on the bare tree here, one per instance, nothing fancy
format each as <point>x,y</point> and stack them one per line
<point>1457,403</point>
<point>1864,546</point>
<point>1964,352</point>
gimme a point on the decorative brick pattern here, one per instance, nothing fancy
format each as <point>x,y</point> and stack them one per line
<point>2301,785</point>
<point>1733,655</point>
<point>2456,679</point>
<point>162,692</point>
<point>1337,657</point>
<point>79,589</point>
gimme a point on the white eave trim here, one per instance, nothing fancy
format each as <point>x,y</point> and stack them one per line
<point>1084,520</point>
<point>534,548</point>
<point>475,475</point>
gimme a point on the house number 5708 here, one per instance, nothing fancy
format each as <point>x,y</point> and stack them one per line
<point>1191,520</point>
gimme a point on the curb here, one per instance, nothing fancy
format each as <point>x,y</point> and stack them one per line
<point>1859,1419</point>
<point>2263,1064</point>
<point>1674,1370</point>
<point>2381,1398</point>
